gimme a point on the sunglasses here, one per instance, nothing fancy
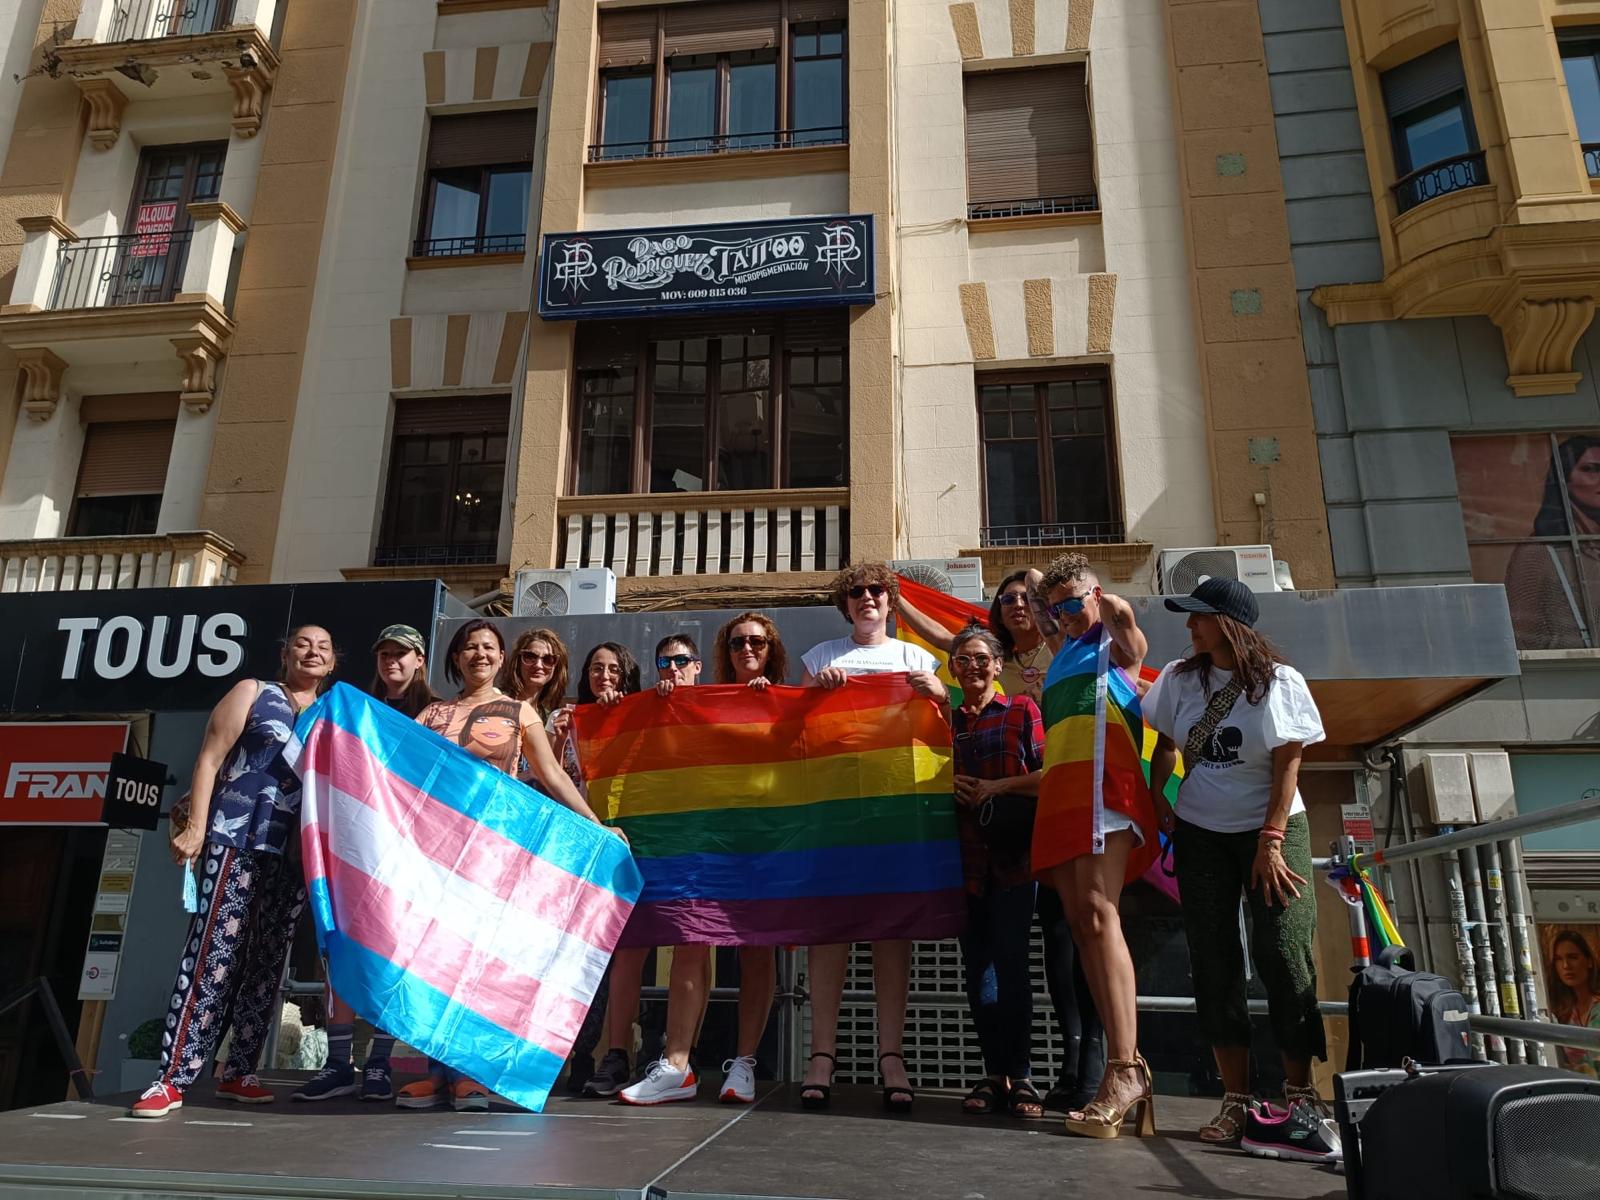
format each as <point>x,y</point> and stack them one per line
<point>1012,599</point>
<point>754,641</point>
<point>1070,607</point>
<point>675,660</point>
<point>529,658</point>
<point>607,669</point>
<point>875,590</point>
<point>973,660</point>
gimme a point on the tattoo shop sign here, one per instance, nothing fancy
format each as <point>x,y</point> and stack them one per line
<point>702,268</point>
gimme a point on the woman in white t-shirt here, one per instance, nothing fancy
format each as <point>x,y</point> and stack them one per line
<point>1242,716</point>
<point>865,594</point>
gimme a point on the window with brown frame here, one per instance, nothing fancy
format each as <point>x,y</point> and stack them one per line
<point>1030,148</point>
<point>712,78</point>
<point>705,405</point>
<point>1049,472</point>
<point>447,471</point>
<point>480,178</point>
<point>121,477</point>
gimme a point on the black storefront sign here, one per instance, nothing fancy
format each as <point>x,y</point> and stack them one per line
<point>181,649</point>
<point>133,792</point>
<point>797,263</point>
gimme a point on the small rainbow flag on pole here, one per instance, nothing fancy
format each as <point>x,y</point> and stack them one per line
<point>790,815</point>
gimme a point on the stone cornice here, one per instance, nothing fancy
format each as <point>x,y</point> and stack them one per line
<point>50,224</point>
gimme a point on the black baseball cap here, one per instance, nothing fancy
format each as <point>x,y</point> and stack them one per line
<point>1223,597</point>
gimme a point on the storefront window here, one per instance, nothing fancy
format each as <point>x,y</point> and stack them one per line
<point>605,431</point>
<point>816,410</point>
<point>1531,507</point>
<point>679,403</point>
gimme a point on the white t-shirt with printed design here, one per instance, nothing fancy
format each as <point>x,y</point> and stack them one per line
<point>855,659</point>
<point>1230,788</point>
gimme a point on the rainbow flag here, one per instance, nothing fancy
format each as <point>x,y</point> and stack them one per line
<point>950,612</point>
<point>790,815</point>
<point>1094,745</point>
<point>459,910</point>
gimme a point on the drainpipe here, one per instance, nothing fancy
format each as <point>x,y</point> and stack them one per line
<point>1479,949</point>
<point>1500,940</point>
<point>1459,926</point>
<point>1521,940</point>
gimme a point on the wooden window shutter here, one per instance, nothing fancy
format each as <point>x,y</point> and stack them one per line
<point>1423,79</point>
<point>482,139</point>
<point>627,37</point>
<point>468,414</point>
<point>125,458</point>
<point>718,28</point>
<point>1028,134</point>
<point>804,11</point>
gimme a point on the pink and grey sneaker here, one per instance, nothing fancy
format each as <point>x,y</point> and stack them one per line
<point>157,1100</point>
<point>1300,1133</point>
<point>246,1089</point>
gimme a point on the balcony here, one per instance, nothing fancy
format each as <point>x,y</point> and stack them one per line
<point>126,50</point>
<point>194,559</point>
<point>1008,548</point>
<point>1440,179</point>
<point>124,298</point>
<point>1038,206</point>
<point>704,534</point>
<point>725,143</point>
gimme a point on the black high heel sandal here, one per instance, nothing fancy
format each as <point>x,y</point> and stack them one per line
<point>824,1090</point>
<point>896,1099</point>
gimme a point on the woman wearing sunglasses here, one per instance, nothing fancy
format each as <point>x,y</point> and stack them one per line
<point>865,594</point>
<point>537,670</point>
<point>1025,653</point>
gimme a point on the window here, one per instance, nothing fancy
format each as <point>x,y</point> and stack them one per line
<point>1047,459</point>
<point>1580,61</point>
<point>690,406</point>
<point>479,182</point>
<point>447,470</point>
<point>1531,506</point>
<point>710,78</point>
<point>1430,122</point>
<point>120,478</point>
<point>1029,149</point>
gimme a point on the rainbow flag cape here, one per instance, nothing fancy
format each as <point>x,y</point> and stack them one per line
<point>790,815</point>
<point>951,613</point>
<point>1155,876</point>
<point>1094,744</point>
<point>458,909</point>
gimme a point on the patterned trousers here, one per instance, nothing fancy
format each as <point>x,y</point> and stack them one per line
<point>232,961</point>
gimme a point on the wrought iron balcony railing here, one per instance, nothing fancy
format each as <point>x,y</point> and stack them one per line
<point>132,268</point>
<point>143,20</point>
<point>1055,533</point>
<point>1440,179</point>
<point>487,243</point>
<point>452,555</point>
<point>1037,206</point>
<point>721,143</point>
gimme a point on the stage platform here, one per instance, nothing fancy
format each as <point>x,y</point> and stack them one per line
<point>581,1149</point>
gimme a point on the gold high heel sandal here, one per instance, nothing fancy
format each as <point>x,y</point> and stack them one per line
<point>1099,1119</point>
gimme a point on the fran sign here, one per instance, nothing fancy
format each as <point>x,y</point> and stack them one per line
<point>700,268</point>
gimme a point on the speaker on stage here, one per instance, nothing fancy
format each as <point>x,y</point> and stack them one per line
<point>1477,1130</point>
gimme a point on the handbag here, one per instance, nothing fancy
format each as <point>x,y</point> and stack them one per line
<point>1219,706</point>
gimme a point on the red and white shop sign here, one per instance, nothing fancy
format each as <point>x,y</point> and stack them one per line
<point>54,772</point>
<point>153,229</point>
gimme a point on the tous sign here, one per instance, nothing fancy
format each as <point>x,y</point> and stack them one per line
<point>121,643</point>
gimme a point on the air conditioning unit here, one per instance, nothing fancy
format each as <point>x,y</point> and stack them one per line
<point>1182,570</point>
<point>581,592</point>
<point>960,577</point>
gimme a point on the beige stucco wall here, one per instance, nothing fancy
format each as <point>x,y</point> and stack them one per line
<point>1113,290</point>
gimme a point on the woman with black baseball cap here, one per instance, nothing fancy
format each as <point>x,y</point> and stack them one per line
<point>1242,716</point>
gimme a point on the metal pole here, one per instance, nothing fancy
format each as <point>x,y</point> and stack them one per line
<point>58,1027</point>
<point>1408,830</point>
<point>1468,856</point>
<point>1500,943</point>
<point>1492,831</point>
<point>1521,940</point>
<point>1463,939</point>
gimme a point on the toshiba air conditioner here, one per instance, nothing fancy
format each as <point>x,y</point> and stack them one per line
<point>1183,569</point>
<point>579,592</point>
<point>960,577</point>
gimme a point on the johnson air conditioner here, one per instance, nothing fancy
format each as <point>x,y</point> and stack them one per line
<point>1183,569</point>
<point>578,592</point>
<point>960,577</point>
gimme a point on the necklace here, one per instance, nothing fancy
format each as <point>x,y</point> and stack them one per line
<point>1029,659</point>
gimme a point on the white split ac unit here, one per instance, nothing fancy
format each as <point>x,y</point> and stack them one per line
<point>960,577</point>
<point>579,592</point>
<point>1183,569</point>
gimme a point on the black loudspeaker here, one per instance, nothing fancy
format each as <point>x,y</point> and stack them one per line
<point>1476,1131</point>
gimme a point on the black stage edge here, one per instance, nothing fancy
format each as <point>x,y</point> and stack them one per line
<point>577,1150</point>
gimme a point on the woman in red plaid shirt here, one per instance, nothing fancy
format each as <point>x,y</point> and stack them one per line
<point>999,751</point>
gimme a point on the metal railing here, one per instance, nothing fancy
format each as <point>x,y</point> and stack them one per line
<point>1072,533</point>
<point>1034,206</point>
<point>434,556</point>
<point>131,268</point>
<point>720,143</point>
<point>483,243</point>
<point>144,20</point>
<point>1440,179</point>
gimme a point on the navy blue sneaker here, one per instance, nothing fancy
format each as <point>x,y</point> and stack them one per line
<point>335,1079</point>
<point>376,1082</point>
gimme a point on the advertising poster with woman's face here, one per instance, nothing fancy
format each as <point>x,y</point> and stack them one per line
<point>1531,507</point>
<point>1572,984</point>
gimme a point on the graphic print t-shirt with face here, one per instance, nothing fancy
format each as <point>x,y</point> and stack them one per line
<point>491,730</point>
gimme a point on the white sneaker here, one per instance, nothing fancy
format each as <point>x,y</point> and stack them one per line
<point>662,1084</point>
<point>739,1082</point>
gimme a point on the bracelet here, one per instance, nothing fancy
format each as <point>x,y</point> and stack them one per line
<point>1270,834</point>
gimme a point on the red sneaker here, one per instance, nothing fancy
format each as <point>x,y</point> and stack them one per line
<point>246,1089</point>
<point>157,1101</point>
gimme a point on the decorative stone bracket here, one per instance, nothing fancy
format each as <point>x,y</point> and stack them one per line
<point>41,381</point>
<point>106,103</point>
<point>1540,337</point>
<point>250,86</point>
<point>200,355</point>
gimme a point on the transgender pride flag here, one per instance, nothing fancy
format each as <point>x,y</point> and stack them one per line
<point>459,910</point>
